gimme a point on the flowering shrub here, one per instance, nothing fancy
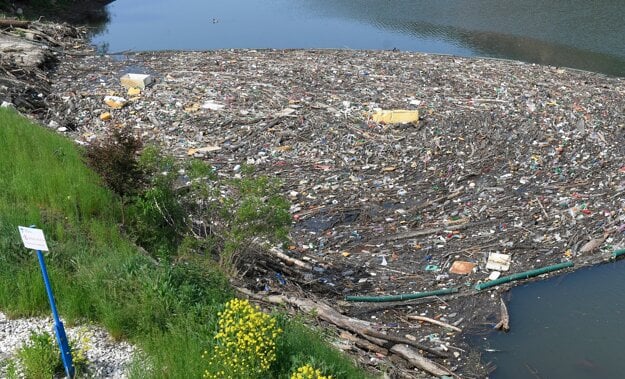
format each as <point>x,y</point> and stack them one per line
<point>309,372</point>
<point>245,342</point>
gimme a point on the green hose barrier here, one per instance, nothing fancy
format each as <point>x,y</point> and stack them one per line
<point>405,296</point>
<point>523,275</point>
<point>618,253</point>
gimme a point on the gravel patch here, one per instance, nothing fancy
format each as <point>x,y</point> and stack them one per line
<point>107,358</point>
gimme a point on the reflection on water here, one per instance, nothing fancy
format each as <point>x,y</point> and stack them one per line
<point>570,326</point>
<point>593,26</point>
<point>572,33</point>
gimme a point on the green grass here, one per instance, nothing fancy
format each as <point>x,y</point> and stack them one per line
<point>168,310</point>
<point>304,345</point>
<point>39,357</point>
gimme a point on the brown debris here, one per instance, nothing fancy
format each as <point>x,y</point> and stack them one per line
<point>435,322</point>
<point>28,49</point>
<point>509,158</point>
<point>504,323</point>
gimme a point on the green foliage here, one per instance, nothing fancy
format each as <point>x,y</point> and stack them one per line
<point>301,345</point>
<point>153,214</point>
<point>261,210</point>
<point>41,170</point>
<point>155,219</point>
<point>11,369</point>
<point>197,169</point>
<point>161,168</point>
<point>167,308</point>
<point>254,210</point>
<point>39,358</point>
<point>307,371</point>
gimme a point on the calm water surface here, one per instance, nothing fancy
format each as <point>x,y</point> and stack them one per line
<point>567,327</point>
<point>571,326</point>
<point>577,33</point>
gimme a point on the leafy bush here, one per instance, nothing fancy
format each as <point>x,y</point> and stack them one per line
<point>230,212</point>
<point>153,214</point>
<point>252,211</point>
<point>115,159</point>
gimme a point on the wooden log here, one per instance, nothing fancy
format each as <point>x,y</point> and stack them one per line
<point>322,311</point>
<point>404,341</point>
<point>435,322</point>
<point>362,328</point>
<point>419,361</point>
<point>592,245</point>
<point>290,260</point>
<point>4,23</point>
<point>354,325</point>
<point>370,346</point>
<point>363,344</point>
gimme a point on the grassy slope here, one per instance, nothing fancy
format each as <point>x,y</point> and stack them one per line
<point>97,275</point>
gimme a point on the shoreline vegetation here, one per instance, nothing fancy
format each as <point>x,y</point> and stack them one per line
<point>506,157</point>
<point>90,12</point>
<point>167,309</point>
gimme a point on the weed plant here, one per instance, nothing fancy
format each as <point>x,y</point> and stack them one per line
<point>40,357</point>
<point>168,308</point>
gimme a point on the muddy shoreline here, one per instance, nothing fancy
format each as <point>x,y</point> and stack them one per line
<point>506,157</point>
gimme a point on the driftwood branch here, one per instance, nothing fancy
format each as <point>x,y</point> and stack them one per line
<point>290,260</point>
<point>435,322</point>
<point>377,340</point>
<point>322,311</point>
<point>419,361</point>
<point>13,23</point>
<point>404,341</point>
<point>364,344</point>
<point>427,232</point>
<point>504,324</point>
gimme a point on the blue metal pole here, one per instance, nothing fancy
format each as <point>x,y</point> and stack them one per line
<point>59,330</point>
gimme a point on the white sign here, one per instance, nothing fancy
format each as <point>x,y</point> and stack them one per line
<point>33,238</point>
